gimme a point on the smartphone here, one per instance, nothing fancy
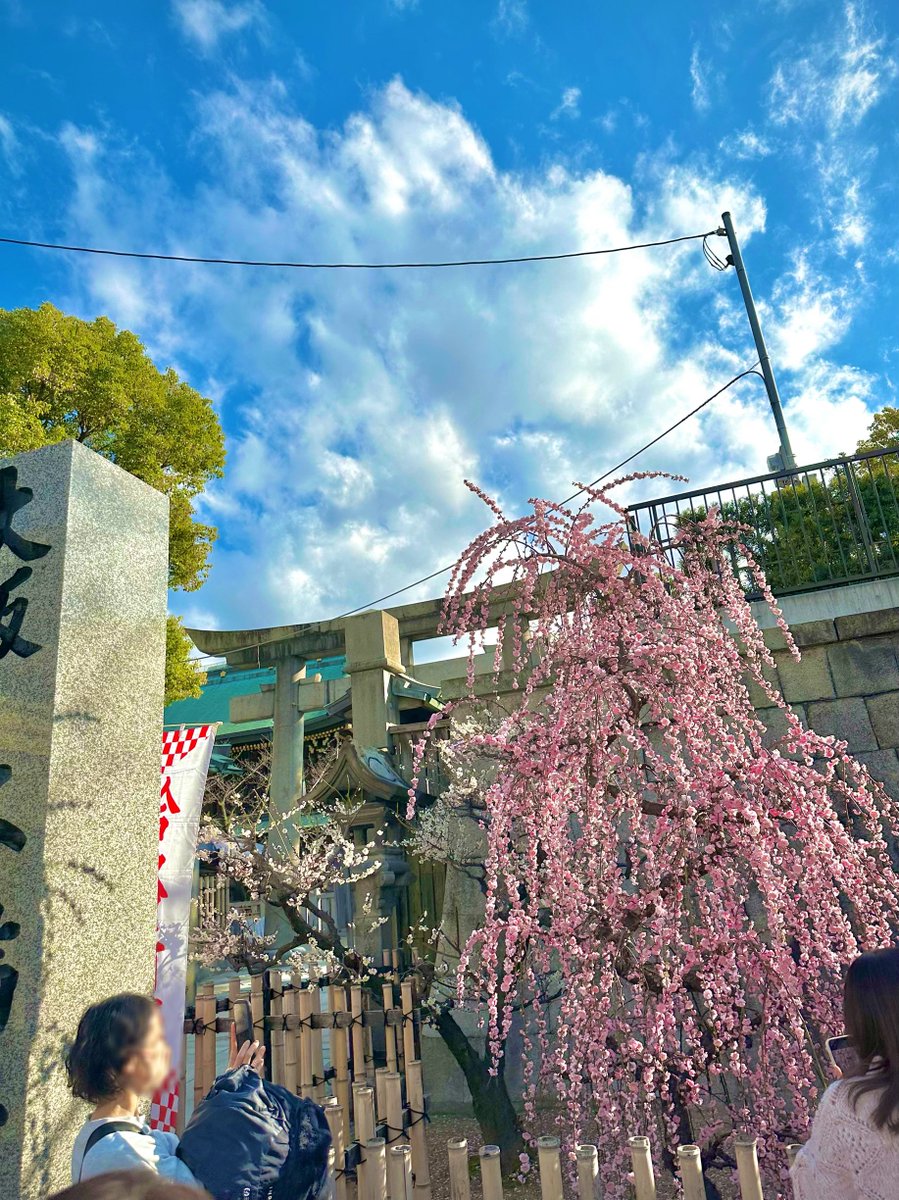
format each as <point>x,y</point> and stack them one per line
<point>842,1054</point>
<point>243,1021</point>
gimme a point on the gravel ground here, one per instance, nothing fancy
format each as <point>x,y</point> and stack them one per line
<point>440,1130</point>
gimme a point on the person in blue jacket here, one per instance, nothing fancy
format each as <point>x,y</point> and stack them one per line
<point>119,1059</point>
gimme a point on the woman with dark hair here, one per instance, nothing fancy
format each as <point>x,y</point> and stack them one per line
<point>118,1060</point>
<point>853,1151</point>
<point>130,1185</point>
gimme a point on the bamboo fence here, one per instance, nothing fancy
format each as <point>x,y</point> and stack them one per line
<point>332,1044</point>
<point>585,1171</point>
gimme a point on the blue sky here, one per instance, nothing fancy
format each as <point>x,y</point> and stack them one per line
<point>356,405</point>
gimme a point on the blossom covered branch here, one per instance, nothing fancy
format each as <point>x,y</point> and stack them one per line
<point>695,887</point>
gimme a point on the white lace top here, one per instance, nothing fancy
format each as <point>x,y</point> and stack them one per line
<point>847,1157</point>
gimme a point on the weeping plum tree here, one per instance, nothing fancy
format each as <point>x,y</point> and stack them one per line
<point>694,889</point>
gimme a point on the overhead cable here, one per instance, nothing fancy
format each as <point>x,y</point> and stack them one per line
<point>713,259</point>
<point>671,428</point>
<point>347,266</point>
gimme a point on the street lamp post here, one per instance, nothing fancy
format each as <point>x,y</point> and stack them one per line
<point>785,459</point>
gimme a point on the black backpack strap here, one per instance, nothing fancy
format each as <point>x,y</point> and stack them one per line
<point>103,1131</point>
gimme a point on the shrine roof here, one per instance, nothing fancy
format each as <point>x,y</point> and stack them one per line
<point>225,683</point>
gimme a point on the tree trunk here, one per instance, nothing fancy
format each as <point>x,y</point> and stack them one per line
<point>493,1108</point>
<point>492,1104</point>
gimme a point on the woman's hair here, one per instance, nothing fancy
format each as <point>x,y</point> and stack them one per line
<point>129,1185</point>
<point>108,1035</point>
<point>871,1012</point>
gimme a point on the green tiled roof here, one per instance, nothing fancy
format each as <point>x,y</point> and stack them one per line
<point>224,683</point>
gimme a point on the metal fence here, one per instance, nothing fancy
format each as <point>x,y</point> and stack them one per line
<point>831,523</point>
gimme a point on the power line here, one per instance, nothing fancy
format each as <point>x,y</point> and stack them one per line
<point>671,428</point>
<point>445,570</point>
<point>398,592</point>
<point>351,266</point>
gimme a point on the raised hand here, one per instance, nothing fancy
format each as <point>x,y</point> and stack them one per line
<point>250,1054</point>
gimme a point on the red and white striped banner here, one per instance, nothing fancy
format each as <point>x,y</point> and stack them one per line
<point>185,763</point>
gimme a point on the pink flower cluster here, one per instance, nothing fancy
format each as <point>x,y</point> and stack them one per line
<point>695,890</point>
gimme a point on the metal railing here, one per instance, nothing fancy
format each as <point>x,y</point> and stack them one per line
<point>830,523</point>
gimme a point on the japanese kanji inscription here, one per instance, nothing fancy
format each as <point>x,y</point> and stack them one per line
<point>13,640</point>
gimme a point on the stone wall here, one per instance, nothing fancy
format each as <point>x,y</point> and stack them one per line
<point>846,685</point>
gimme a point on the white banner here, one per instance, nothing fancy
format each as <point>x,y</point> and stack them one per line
<point>185,763</point>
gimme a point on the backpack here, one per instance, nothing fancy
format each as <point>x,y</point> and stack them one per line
<point>254,1140</point>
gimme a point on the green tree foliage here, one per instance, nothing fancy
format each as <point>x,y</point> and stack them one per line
<point>811,532</point>
<point>183,676</point>
<point>61,377</point>
<point>884,431</point>
<point>823,527</point>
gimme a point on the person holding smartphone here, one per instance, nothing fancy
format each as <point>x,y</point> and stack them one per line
<point>853,1151</point>
<point>117,1061</point>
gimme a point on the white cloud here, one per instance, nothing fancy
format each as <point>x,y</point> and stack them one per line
<point>206,22</point>
<point>303,66</point>
<point>358,402</point>
<point>700,82</point>
<point>511,17</point>
<point>824,95</point>
<point>809,316</point>
<point>836,82</point>
<point>88,28</point>
<point>843,171</point>
<point>747,144</point>
<point>195,616</point>
<point>350,480</point>
<point>619,114</point>
<point>608,122</point>
<point>569,105</point>
<point>830,409</point>
<point>9,146</point>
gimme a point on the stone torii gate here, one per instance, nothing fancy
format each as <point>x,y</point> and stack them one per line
<point>378,647</point>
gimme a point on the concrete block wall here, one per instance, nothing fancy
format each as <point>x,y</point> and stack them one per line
<point>847,685</point>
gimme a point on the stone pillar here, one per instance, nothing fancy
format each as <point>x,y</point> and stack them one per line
<point>372,657</point>
<point>83,576</point>
<point>288,732</point>
<point>372,654</point>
